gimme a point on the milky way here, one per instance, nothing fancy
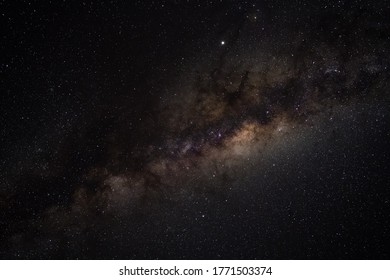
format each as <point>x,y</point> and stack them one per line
<point>272,144</point>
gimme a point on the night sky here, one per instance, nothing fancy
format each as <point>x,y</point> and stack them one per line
<point>195,129</point>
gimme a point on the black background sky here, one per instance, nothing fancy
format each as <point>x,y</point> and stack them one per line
<point>194,129</point>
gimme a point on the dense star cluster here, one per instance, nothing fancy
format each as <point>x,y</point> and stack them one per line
<point>195,130</point>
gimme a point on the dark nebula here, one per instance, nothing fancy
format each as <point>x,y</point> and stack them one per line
<point>195,130</point>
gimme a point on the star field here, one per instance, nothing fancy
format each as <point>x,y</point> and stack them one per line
<point>195,130</point>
